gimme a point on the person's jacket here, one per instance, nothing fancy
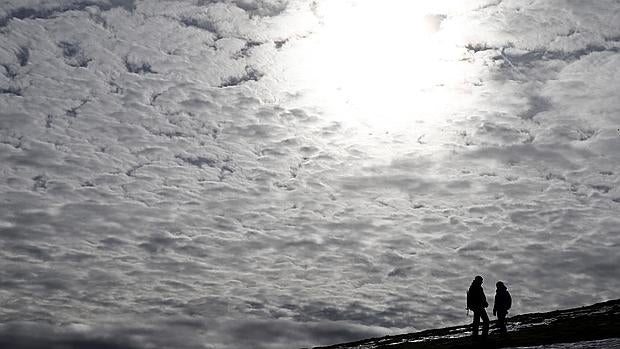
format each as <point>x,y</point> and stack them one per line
<point>476,300</point>
<point>503,301</point>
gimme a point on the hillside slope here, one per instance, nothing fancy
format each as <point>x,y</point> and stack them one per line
<point>589,323</point>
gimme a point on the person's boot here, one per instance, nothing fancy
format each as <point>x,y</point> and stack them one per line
<point>485,332</point>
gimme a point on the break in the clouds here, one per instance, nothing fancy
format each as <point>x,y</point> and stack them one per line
<point>165,182</point>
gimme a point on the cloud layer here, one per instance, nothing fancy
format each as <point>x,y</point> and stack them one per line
<point>157,190</point>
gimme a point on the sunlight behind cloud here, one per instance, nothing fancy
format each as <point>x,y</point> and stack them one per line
<point>386,65</point>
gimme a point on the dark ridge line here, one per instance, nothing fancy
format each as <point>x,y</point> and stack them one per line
<point>31,13</point>
<point>586,323</point>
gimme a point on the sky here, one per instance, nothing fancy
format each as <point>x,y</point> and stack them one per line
<point>281,174</point>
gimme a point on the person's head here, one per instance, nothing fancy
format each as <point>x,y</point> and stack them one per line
<point>500,285</point>
<point>478,280</point>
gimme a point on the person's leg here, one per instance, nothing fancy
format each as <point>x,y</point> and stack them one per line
<point>474,329</point>
<point>501,322</point>
<point>485,322</point>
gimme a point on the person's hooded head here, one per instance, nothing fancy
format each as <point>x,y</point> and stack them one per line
<point>500,285</point>
<point>477,280</point>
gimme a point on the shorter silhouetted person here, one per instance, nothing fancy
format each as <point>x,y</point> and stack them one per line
<point>502,303</point>
<point>477,302</point>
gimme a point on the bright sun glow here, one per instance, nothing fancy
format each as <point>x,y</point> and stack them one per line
<point>378,62</point>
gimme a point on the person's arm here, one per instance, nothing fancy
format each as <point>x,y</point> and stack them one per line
<point>508,301</point>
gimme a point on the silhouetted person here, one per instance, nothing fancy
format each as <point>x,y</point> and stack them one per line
<point>502,303</point>
<point>476,302</point>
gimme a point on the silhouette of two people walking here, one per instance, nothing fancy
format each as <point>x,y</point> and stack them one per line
<point>477,303</point>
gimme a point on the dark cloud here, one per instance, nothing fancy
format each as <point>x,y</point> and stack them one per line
<point>282,333</point>
<point>32,335</point>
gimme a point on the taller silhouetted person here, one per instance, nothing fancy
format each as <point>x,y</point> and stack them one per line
<point>502,303</point>
<point>477,302</point>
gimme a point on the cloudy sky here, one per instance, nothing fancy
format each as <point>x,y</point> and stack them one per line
<point>288,173</point>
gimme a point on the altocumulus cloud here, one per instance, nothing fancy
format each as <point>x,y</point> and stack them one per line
<point>150,197</point>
